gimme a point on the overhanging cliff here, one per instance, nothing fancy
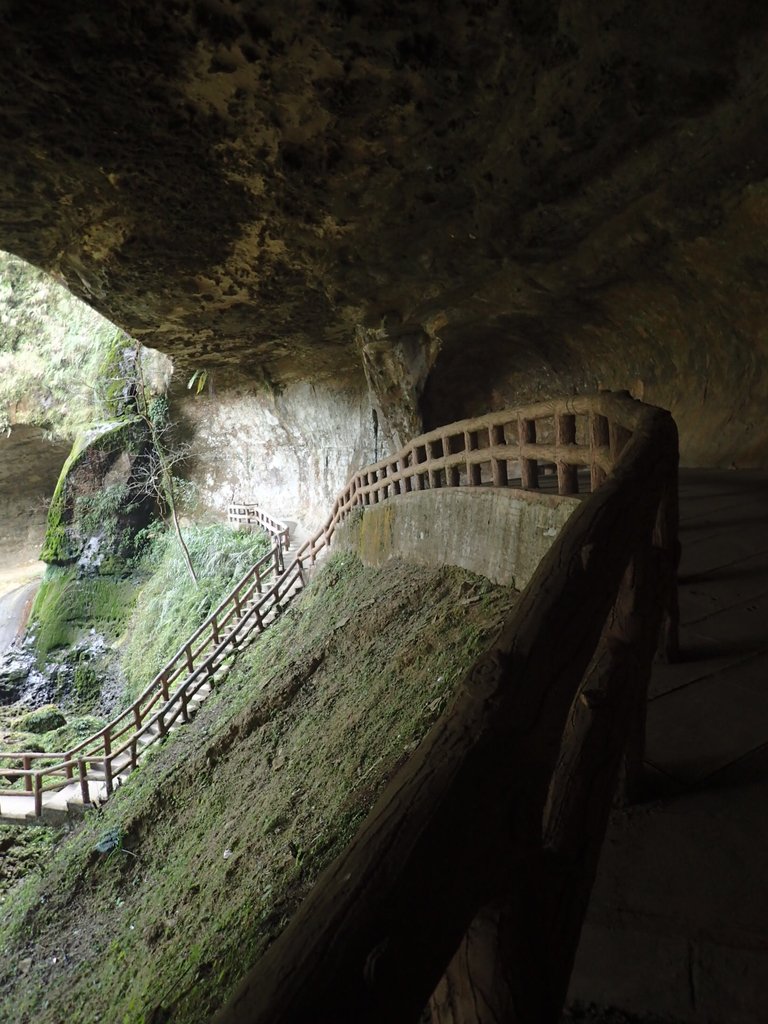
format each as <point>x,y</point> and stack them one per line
<point>495,202</point>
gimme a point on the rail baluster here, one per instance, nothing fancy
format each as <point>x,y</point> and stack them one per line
<point>565,434</point>
<point>529,468</point>
<point>84,792</point>
<point>599,437</point>
<point>498,466</point>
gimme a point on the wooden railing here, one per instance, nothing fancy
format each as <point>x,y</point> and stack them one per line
<point>534,447</point>
<point>567,446</point>
<point>249,514</point>
<point>168,698</point>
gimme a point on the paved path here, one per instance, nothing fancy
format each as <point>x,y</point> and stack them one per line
<point>15,604</point>
<point>678,922</point>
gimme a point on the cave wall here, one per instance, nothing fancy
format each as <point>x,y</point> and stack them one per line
<point>289,452</point>
<point>529,198</point>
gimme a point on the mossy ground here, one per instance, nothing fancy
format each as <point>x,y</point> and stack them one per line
<point>138,621</point>
<point>225,828</point>
<point>68,605</point>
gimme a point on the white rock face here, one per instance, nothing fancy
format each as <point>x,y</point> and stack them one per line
<point>29,468</point>
<point>290,453</point>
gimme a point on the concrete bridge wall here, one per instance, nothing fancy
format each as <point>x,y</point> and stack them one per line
<point>501,534</point>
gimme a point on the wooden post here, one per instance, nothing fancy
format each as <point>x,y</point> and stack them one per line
<point>26,763</point>
<point>599,437</point>
<point>565,434</point>
<point>84,793</point>
<point>38,794</point>
<point>498,466</point>
<point>215,629</point>
<point>452,475</point>
<point>433,452</point>
<point>188,653</point>
<point>474,476</point>
<point>529,468</point>
<point>164,685</point>
<point>406,463</point>
<point>515,960</point>
<point>108,763</point>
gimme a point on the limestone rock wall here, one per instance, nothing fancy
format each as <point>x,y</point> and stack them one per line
<point>556,194</point>
<point>29,468</point>
<point>290,452</point>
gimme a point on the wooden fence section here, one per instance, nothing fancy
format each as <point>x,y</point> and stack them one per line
<point>249,514</point>
<point>510,448</point>
<point>98,762</point>
<point>504,803</point>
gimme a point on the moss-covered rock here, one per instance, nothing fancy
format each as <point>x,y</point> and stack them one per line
<point>43,720</point>
<point>100,501</point>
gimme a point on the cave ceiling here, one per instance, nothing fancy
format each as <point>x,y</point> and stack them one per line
<point>246,185</point>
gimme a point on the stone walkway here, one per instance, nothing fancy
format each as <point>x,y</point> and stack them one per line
<point>678,922</point>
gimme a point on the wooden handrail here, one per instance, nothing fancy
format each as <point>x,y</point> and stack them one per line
<point>492,805</point>
<point>588,431</point>
<point>250,514</point>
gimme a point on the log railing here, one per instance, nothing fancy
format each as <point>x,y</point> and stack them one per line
<point>249,514</point>
<point>103,757</point>
<point>466,885</point>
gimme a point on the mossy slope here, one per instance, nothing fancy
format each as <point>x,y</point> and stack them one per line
<point>226,827</point>
<point>85,502</point>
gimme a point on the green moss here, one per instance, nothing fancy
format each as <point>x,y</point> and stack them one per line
<point>67,606</point>
<point>42,720</point>
<point>170,606</point>
<point>74,515</point>
<point>226,828</point>
<point>117,376</point>
<point>22,852</point>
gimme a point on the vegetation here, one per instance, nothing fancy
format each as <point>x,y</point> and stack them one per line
<point>168,609</point>
<point>104,510</point>
<point>69,606</point>
<point>226,828</point>
<point>57,355</point>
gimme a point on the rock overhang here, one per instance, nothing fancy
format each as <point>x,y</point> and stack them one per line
<point>542,192</point>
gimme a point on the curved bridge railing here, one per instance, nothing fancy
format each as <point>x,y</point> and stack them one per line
<point>572,445</point>
<point>504,803</point>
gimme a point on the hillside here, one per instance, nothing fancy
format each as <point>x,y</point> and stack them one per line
<point>152,909</point>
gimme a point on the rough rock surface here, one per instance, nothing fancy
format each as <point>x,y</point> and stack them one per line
<point>553,194</point>
<point>290,453</point>
<point>29,467</point>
